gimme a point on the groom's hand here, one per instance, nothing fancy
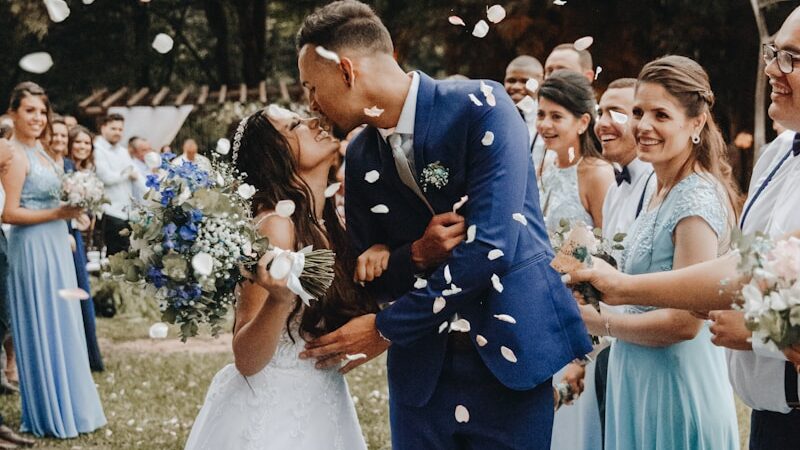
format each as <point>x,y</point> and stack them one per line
<point>358,339</point>
<point>443,234</point>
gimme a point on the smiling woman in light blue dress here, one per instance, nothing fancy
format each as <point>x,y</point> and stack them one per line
<point>58,394</point>
<point>667,384</point>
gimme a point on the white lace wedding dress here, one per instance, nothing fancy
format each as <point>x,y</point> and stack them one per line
<point>289,405</point>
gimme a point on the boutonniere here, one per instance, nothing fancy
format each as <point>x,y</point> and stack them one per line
<point>434,174</point>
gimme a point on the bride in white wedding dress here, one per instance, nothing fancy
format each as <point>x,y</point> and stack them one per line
<point>270,399</point>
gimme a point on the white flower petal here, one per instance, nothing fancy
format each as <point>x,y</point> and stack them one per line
<point>373,112</point>
<point>481,29</point>
<point>443,326</point>
<point>58,10</point>
<point>447,277</point>
<point>559,2</point>
<point>380,209</point>
<point>88,2</point>
<point>527,104</point>
<point>327,54</point>
<point>152,160</point>
<point>481,340</point>
<point>203,264</point>
<point>158,330</point>
<point>452,291</point>
<point>285,208</point>
<point>462,414</point>
<point>475,100</point>
<point>457,205</point>
<point>281,265</point>
<point>505,318</point>
<point>491,100</point>
<point>439,304</point>
<point>163,43</point>
<point>246,191</point>
<point>471,230</point>
<point>421,283</point>
<point>508,354</point>
<point>73,294</point>
<point>460,325</point>
<point>583,43</point>
<point>372,176</point>
<point>455,20</point>
<point>332,189</point>
<point>486,89</point>
<point>39,62</point>
<point>494,254</point>
<point>488,138</point>
<point>223,146</point>
<point>597,71</point>
<point>619,117</point>
<point>496,13</point>
<point>498,286</point>
<point>571,154</point>
<point>355,357</point>
<point>532,85</point>
<point>519,218</point>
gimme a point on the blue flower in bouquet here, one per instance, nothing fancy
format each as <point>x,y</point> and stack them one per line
<point>155,276</point>
<point>152,182</point>
<point>166,196</point>
<point>195,215</point>
<point>167,156</point>
<point>169,230</point>
<point>188,232</point>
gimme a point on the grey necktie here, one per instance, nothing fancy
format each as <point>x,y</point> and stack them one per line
<point>404,168</point>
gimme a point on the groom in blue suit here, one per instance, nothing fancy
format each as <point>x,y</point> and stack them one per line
<point>475,327</point>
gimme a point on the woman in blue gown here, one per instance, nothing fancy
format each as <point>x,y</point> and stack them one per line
<point>58,394</point>
<point>667,383</point>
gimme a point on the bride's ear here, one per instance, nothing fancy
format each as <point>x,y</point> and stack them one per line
<point>347,71</point>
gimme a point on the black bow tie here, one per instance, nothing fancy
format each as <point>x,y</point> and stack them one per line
<point>796,144</point>
<point>622,175</point>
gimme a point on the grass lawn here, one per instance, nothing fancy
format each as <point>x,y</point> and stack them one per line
<point>152,390</point>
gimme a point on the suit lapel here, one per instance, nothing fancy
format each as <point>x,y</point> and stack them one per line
<point>422,122</point>
<point>389,172</point>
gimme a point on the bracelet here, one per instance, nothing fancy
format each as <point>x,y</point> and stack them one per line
<point>608,326</point>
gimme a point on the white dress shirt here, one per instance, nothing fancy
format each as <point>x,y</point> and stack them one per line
<point>622,201</point>
<point>113,165</point>
<point>406,122</point>
<point>758,376</point>
<point>200,161</point>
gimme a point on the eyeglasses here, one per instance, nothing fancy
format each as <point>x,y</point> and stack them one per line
<point>785,59</point>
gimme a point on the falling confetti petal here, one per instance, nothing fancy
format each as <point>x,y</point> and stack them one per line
<point>559,2</point>
<point>285,208</point>
<point>58,10</point>
<point>494,254</point>
<point>481,340</point>
<point>619,117</point>
<point>223,146</point>
<point>372,176</point>
<point>571,154</point>
<point>443,326</point>
<point>355,357</point>
<point>447,277</point>
<point>481,29</point>
<point>505,318</point>
<point>462,414</point>
<point>597,72</point>
<point>491,100</point>
<point>527,104</point>
<point>487,92</point>
<point>88,2</point>
<point>460,325</point>
<point>460,203</point>
<point>532,85</point>
<point>158,330</point>
<point>519,218</point>
<point>471,233</point>
<point>508,354</point>
<point>495,14</point>
<point>163,43</point>
<point>475,100</point>
<point>421,283</point>
<point>73,294</point>
<point>452,291</point>
<point>39,62</point>
<point>327,54</point>
<point>380,209</point>
<point>498,286</point>
<point>488,138</point>
<point>455,20</point>
<point>332,189</point>
<point>438,304</point>
<point>373,112</point>
<point>583,43</point>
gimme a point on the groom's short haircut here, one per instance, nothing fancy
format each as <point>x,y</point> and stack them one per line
<point>345,24</point>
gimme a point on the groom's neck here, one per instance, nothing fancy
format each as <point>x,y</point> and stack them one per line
<point>388,87</point>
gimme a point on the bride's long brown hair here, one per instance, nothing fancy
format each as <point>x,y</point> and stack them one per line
<point>266,158</point>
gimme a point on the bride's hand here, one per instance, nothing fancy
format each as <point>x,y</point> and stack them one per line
<point>608,280</point>
<point>372,263</point>
<point>277,289</point>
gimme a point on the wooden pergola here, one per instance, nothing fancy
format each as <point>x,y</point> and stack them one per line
<point>97,103</point>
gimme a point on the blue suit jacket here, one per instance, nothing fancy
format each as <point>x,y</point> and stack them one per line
<point>500,182</point>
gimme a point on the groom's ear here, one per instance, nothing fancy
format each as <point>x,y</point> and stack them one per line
<point>348,74</point>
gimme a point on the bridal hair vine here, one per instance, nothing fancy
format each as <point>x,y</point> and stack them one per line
<point>237,138</point>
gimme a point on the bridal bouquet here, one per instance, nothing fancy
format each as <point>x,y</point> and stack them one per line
<point>84,190</point>
<point>191,236</point>
<point>575,245</point>
<point>771,298</point>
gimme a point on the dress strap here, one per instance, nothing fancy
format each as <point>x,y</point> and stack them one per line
<point>267,216</point>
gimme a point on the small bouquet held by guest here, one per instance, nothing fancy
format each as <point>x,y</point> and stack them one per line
<point>84,190</point>
<point>194,233</point>
<point>770,299</point>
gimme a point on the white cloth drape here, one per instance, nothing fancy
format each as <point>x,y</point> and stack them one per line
<point>158,124</point>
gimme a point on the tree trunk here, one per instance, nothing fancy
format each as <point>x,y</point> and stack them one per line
<point>142,39</point>
<point>215,15</point>
<point>252,16</point>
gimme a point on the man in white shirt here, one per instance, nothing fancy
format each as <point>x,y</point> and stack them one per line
<point>139,148</point>
<point>116,170</point>
<point>190,154</point>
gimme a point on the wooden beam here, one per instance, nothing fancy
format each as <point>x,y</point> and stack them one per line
<point>160,96</point>
<point>93,111</point>
<point>138,96</point>
<point>114,97</point>
<point>262,91</point>
<point>201,100</point>
<point>284,90</point>
<point>242,93</point>
<point>223,94</point>
<point>182,96</point>
<point>95,95</point>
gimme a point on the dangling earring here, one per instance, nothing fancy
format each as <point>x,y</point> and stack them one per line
<point>695,139</point>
